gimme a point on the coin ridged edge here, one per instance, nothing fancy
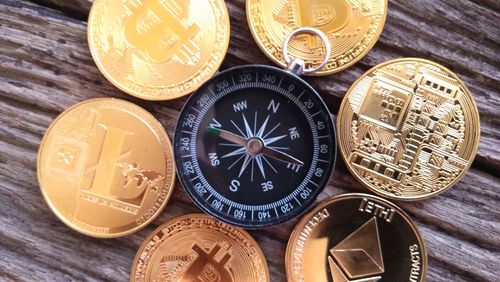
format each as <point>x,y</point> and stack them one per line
<point>167,151</point>
<point>474,111</point>
<point>320,72</point>
<point>247,235</point>
<point>156,98</point>
<point>323,204</point>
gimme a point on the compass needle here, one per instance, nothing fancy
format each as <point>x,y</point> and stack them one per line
<point>257,147</point>
<point>280,156</point>
<point>228,136</point>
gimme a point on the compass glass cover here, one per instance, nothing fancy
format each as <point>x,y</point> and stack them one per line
<point>254,146</point>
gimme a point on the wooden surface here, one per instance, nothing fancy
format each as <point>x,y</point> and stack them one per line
<point>45,67</point>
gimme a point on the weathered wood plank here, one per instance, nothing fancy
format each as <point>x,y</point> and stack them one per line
<point>66,57</point>
<point>45,66</point>
<point>447,245</point>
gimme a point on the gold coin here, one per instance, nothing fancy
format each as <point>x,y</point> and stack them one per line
<point>105,167</point>
<point>353,27</point>
<point>198,247</point>
<point>356,237</point>
<point>158,50</point>
<point>408,129</point>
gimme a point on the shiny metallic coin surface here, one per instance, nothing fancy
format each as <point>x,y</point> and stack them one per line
<point>408,129</point>
<point>197,247</point>
<point>356,237</point>
<point>158,50</point>
<point>105,167</point>
<point>353,27</point>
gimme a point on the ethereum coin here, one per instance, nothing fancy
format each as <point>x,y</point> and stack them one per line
<point>197,247</point>
<point>158,50</point>
<point>408,129</point>
<point>356,237</point>
<point>105,167</point>
<point>353,27</point>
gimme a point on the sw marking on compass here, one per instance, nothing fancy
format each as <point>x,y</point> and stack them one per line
<point>255,145</point>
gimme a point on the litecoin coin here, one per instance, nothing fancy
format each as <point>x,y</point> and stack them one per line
<point>105,167</point>
<point>254,146</point>
<point>158,50</point>
<point>408,129</point>
<point>356,237</point>
<point>198,247</point>
<point>353,27</point>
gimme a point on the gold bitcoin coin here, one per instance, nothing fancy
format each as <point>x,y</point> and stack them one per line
<point>155,49</point>
<point>198,247</point>
<point>105,167</point>
<point>353,27</point>
<point>356,237</point>
<point>408,129</point>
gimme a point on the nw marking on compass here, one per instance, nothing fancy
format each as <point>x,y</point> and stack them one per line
<point>254,145</point>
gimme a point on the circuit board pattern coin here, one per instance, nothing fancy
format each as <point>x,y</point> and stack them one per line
<point>356,237</point>
<point>198,247</point>
<point>254,146</point>
<point>105,167</point>
<point>158,50</point>
<point>408,129</point>
<point>353,27</point>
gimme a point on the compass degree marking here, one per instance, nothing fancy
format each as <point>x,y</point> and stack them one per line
<point>295,97</point>
<point>262,85</point>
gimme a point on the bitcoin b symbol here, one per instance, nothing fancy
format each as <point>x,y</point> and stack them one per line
<point>325,15</point>
<point>206,268</point>
<point>156,30</point>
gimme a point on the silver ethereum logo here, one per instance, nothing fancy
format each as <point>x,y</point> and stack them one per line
<point>358,258</point>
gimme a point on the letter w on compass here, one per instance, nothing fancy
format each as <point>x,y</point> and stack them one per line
<point>254,146</point>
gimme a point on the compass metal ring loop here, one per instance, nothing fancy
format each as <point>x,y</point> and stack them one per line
<point>313,31</point>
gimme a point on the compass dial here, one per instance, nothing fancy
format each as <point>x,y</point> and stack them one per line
<point>254,146</point>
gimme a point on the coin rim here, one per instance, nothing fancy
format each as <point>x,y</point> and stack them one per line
<point>322,72</point>
<point>98,63</point>
<point>280,220</point>
<point>474,112</point>
<point>167,152</point>
<point>331,200</point>
<point>200,216</point>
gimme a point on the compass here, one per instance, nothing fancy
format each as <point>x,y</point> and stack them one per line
<point>254,146</point>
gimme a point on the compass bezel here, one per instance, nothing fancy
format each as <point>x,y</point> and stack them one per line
<point>278,219</point>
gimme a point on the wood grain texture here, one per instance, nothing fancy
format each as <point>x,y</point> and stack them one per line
<point>45,67</point>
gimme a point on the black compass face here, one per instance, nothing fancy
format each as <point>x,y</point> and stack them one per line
<point>254,146</point>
